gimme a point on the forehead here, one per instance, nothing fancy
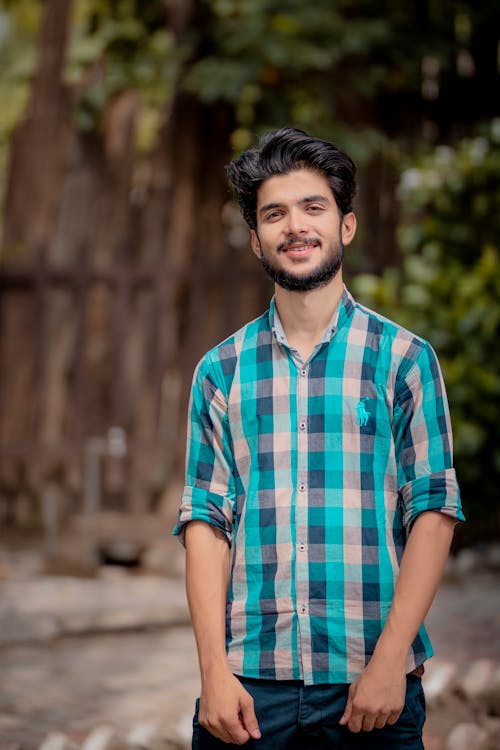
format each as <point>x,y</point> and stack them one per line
<point>293,187</point>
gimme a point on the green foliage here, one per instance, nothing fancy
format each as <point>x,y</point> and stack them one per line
<point>281,63</point>
<point>333,70</point>
<point>448,291</point>
<point>117,47</point>
<point>18,27</point>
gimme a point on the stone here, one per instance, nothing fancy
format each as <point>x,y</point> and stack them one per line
<point>146,736</point>
<point>439,678</point>
<point>478,678</point>
<point>117,573</point>
<point>495,682</point>
<point>449,568</point>
<point>105,738</point>
<point>184,728</point>
<point>57,741</point>
<point>164,558</point>
<point>492,556</point>
<point>126,552</point>
<point>14,628</point>
<point>492,725</point>
<point>491,695</point>
<point>433,742</point>
<point>150,735</point>
<point>468,561</point>
<point>468,736</point>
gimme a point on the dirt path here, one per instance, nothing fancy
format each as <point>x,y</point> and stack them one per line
<point>73,684</point>
<point>121,679</point>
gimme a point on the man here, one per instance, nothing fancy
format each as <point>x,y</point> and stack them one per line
<point>320,498</point>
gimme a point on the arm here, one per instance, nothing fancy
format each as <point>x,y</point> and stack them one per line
<point>430,505</point>
<point>205,526</point>
<point>377,697</point>
<point>226,708</point>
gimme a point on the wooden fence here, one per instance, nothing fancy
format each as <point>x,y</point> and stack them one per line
<point>84,349</point>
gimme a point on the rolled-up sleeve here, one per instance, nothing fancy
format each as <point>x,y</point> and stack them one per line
<point>423,442</point>
<point>209,490</point>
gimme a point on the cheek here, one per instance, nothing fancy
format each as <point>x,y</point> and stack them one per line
<point>265,240</point>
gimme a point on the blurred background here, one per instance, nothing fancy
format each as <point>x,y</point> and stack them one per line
<point>123,257</point>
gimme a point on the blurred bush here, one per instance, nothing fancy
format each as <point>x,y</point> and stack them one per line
<point>448,291</point>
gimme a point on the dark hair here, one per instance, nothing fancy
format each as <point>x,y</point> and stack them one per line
<point>282,151</point>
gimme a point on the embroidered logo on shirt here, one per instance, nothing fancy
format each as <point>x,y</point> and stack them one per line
<point>363,414</point>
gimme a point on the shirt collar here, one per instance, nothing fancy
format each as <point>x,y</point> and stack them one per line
<point>339,318</point>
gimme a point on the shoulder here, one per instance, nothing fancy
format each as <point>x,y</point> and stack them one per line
<point>407,349</point>
<point>219,364</point>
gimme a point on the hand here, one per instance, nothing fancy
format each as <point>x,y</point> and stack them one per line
<point>226,710</point>
<point>375,699</point>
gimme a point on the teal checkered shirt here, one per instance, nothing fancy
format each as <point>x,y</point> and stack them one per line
<point>315,472</point>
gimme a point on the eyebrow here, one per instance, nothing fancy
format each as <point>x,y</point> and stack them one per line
<point>308,199</point>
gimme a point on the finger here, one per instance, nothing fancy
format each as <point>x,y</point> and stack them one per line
<point>217,731</point>
<point>248,717</point>
<point>348,708</point>
<point>393,717</point>
<point>236,733</point>
<point>381,721</point>
<point>368,723</point>
<point>226,729</point>
<point>355,722</point>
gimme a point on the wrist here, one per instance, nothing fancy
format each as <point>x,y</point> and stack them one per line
<point>214,669</point>
<point>390,655</point>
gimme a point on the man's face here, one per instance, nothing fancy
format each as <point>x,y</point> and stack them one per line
<point>300,235</point>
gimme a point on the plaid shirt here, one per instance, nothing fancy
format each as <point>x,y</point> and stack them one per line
<point>315,472</point>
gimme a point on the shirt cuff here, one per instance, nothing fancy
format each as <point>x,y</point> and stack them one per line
<point>438,491</point>
<point>202,505</point>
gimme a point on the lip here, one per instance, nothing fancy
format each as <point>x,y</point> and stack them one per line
<point>300,250</point>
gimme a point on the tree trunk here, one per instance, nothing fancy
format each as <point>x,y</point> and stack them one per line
<point>38,157</point>
<point>41,143</point>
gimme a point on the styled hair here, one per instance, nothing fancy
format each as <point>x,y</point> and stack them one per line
<point>283,151</point>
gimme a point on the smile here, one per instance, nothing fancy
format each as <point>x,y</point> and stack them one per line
<point>298,249</point>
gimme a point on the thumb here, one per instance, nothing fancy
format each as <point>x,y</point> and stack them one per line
<point>348,708</point>
<point>248,717</point>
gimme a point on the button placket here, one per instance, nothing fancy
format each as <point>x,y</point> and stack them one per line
<point>301,516</point>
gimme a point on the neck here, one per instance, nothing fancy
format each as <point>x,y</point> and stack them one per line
<point>305,315</point>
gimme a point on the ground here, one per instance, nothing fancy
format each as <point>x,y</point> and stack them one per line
<point>139,664</point>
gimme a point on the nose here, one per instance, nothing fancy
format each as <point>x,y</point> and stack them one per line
<point>296,223</point>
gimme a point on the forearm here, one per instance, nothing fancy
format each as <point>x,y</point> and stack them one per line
<point>207,577</point>
<point>419,577</point>
<point>377,696</point>
<point>226,709</point>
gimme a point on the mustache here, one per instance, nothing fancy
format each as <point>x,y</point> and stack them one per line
<point>283,246</point>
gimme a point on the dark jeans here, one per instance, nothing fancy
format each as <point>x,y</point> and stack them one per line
<point>293,716</point>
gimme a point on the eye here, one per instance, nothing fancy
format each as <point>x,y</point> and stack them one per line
<point>274,215</point>
<point>315,208</point>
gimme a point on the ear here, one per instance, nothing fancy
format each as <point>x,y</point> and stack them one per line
<point>348,227</point>
<point>255,242</point>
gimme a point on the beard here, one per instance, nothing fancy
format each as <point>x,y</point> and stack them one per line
<point>295,282</point>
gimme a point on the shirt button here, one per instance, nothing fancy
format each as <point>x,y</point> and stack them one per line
<point>302,487</point>
<point>303,609</point>
<point>302,546</point>
<point>302,425</point>
<point>303,372</point>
